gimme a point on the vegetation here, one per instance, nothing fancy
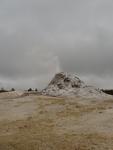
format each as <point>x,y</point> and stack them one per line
<point>36,90</point>
<point>30,89</point>
<point>108,91</point>
<point>12,89</point>
<point>3,90</point>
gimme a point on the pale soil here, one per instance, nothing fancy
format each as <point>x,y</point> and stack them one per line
<point>46,123</point>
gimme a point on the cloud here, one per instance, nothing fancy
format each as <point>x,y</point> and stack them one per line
<point>39,38</point>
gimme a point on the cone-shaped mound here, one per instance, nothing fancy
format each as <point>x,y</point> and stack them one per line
<point>63,81</point>
<point>64,84</point>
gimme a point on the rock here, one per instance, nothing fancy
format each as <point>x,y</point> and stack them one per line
<point>64,84</point>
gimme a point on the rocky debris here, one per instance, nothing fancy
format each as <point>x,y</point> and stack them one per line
<point>64,84</point>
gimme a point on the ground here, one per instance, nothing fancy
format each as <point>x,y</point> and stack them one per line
<point>49,123</point>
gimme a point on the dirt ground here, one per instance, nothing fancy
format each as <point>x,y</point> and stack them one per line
<point>46,123</point>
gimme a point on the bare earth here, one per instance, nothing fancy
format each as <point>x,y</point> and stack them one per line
<point>46,123</point>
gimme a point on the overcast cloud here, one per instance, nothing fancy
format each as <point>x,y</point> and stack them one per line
<point>41,37</point>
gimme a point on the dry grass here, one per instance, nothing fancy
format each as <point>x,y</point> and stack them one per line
<point>54,125</point>
<point>34,135</point>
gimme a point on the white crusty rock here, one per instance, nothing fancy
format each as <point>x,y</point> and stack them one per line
<point>64,84</point>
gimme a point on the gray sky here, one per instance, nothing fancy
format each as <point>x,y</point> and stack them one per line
<point>41,37</point>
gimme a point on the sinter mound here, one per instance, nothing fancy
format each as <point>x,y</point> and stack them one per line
<point>64,84</point>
